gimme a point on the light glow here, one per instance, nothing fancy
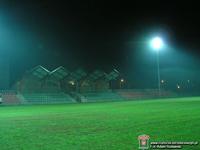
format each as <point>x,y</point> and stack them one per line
<point>156,43</point>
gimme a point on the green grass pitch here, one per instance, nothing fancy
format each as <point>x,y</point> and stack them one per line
<point>99,126</point>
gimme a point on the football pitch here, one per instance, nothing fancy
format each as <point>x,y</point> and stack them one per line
<point>99,126</point>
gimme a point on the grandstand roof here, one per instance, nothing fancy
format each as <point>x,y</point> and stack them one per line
<point>112,75</point>
<point>60,73</point>
<point>96,75</point>
<point>39,71</point>
<point>78,74</point>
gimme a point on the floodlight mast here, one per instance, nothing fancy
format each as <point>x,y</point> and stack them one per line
<point>157,45</point>
<point>158,73</point>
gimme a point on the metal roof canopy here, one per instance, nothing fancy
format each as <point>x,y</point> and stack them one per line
<point>112,75</point>
<point>39,71</point>
<point>78,74</point>
<point>60,73</point>
<point>96,75</point>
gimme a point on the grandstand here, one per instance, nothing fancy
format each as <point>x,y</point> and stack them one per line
<point>100,87</point>
<point>126,94</point>
<point>32,80</point>
<point>10,98</point>
<point>47,98</point>
<point>130,94</point>
<point>41,86</point>
<point>76,78</point>
<point>95,82</point>
<point>101,96</point>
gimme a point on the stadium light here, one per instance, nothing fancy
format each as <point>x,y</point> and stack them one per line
<point>157,44</point>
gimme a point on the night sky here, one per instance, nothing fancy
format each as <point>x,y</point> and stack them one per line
<point>99,34</point>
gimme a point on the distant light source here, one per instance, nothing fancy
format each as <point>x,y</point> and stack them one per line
<point>162,81</point>
<point>156,43</point>
<point>71,82</point>
<point>121,83</point>
<point>178,86</point>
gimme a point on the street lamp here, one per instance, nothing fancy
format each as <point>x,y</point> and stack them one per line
<point>157,44</point>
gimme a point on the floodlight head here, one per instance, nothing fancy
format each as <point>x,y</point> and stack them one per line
<point>156,43</point>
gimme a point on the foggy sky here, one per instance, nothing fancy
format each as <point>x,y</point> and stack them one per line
<point>99,35</point>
